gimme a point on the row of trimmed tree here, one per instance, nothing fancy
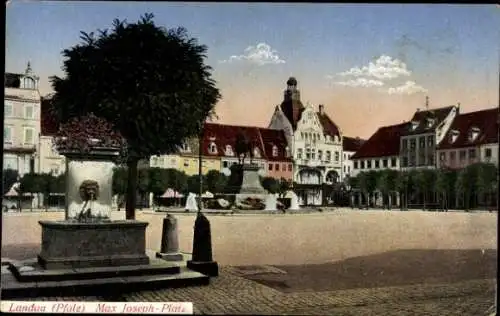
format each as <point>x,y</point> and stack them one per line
<point>34,184</point>
<point>158,180</point>
<point>475,186</point>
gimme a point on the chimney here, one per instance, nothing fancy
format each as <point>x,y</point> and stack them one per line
<point>321,109</point>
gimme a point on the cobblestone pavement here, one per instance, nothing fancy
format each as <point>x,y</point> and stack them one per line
<point>232,294</point>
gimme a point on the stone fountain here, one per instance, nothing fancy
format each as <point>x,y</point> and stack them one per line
<point>88,251</point>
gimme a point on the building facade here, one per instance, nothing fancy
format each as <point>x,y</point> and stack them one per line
<point>350,146</point>
<point>425,130</point>
<point>22,121</point>
<point>472,138</point>
<point>315,143</point>
<point>380,151</point>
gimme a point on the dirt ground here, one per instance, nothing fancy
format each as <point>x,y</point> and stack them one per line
<point>295,239</point>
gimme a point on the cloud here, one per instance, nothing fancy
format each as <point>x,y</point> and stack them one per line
<point>383,68</point>
<point>361,82</point>
<point>409,87</point>
<point>261,54</point>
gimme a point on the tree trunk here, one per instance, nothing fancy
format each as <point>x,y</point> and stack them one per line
<point>131,197</point>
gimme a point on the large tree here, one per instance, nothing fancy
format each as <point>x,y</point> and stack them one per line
<point>9,177</point>
<point>151,83</point>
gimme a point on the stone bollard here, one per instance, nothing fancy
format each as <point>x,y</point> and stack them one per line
<point>202,260</point>
<point>170,240</point>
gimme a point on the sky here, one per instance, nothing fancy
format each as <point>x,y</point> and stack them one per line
<point>371,65</point>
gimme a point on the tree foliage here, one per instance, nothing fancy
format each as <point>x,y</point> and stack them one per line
<point>9,177</point>
<point>216,181</point>
<point>271,184</point>
<point>151,83</point>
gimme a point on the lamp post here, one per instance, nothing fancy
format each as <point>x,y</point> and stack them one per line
<point>200,166</point>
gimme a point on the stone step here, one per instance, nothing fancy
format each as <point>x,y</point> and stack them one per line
<point>30,271</point>
<point>13,289</point>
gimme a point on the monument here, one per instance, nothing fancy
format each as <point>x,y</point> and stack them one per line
<point>191,204</point>
<point>294,201</point>
<point>249,193</point>
<point>271,202</point>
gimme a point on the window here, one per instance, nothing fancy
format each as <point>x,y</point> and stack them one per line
<point>212,148</point>
<point>7,134</point>
<point>384,163</point>
<point>377,164</point>
<point>405,162</point>
<point>277,167</point>
<point>355,165</point>
<point>28,111</point>
<point>487,152</point>
<point>421,141</point>
<point>348,169</point>
<point>313,154</point>
<point>184,147</point>
<point>229,150</point>
<point>430,141</point>
<point>393,162</point>
<point>225,164</point>
<point>10,162</point>
<point>299,153</point>
<point>337,156</point>
<point>453,155</point>
<point>430,160</point>
<point>344,169</point>
<point>283,167</point>
<point>362,165</point>
<point>270,167</point>
<point>345,157</point>
<point>154,160</point>
<point>413,143</point>
<point>28,83</point>
<point>28,135</point>
<point>368,164</point>
<point>186,163</point>
<point>8,109</point>
<point>472,154</point>
<point>320,155</point>
<point>289,167</point>
<point>405,144</point>
<point>442,157</point>
<point>328,155</point>
<point>462,155</point>
<point>275,151</point>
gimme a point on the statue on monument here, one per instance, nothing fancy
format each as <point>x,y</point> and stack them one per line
<point>243,148</point>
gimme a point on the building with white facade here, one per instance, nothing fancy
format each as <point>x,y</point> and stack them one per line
<point>22,121</point>
<point>472,138</point>
<point>350,146</point>
<point>426,130</point>
<point>316,146</point>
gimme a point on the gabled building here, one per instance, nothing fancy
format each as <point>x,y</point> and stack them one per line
<point>426,129</point>
<point>269,148</point>
<point>49,159</point>
<point>350,146</point>
<point>315,142</point>
<point>380,151</point>
<point>22,121</point>
<point>472,137</point>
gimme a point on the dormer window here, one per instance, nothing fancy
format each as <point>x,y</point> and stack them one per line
<point>185,147</point>
<point>229,150</point>
<point>275,151</point>
<point>414,125</point>
<point>473,134</point>
<point>256,152</point>
<point>212,148</point>
<point>287,151</point>
<point>453,136</point>
<point>430,122</point>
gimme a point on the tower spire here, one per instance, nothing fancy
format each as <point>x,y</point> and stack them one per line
<point>427,102</point>
<point>28,68</point>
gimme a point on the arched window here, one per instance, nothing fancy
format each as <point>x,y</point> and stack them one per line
<point>28,83</point>
<point>212,148</point>
<point>275,151</point>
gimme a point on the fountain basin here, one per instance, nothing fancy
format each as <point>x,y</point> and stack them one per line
<point>68,244</point>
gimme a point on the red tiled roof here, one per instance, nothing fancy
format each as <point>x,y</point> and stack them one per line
<point>385,142</point>
<point>262,138</point>
<point>438,115</point>
<point>48,122</point>
<point>329,127</point>
<point>351,143</point>
<point>487,123</point>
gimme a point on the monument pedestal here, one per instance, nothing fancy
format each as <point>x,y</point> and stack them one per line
<point>83,245</point>
<point>250,184</point>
